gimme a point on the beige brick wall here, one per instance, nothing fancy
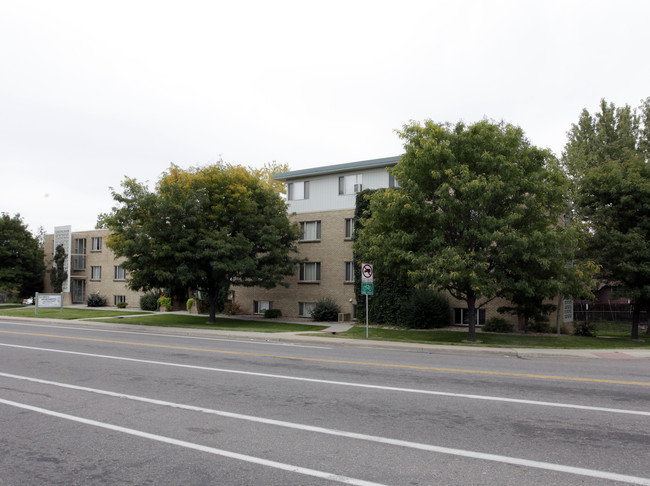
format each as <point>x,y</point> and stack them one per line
<point>106,286</point>
<point>332,251</point>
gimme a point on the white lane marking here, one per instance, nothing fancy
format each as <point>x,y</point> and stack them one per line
<point>292,345</point>
<point>352,435</point>
<point>197,447</point>
<point>345,383</point>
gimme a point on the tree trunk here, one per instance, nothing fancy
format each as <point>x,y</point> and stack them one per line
<point>471,309</point>
<point>526,318</point>
<point>636,313</point>
<point>213,294</point>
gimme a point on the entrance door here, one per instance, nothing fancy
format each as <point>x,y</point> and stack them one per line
<point>78,291</point>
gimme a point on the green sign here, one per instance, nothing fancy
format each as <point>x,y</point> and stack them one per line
<point>367,288</point>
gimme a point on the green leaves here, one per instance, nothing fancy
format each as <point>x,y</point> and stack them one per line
<point>205,228</point>
<point>468,196</point>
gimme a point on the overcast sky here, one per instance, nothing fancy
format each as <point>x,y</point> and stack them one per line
<point>91,92</point>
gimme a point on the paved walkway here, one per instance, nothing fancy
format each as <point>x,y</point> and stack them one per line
<point>328,337</point>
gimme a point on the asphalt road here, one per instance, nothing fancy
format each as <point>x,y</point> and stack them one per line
<point>85,405</point>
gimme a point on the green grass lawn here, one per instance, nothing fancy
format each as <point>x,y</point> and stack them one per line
<point>68,313</point>
<point>494,339</point>
<point>201,322</point>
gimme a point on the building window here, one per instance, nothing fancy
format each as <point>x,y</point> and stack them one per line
<point>391,181</point>
<point>259,306</point>
<point>118,298</point>
<point>305,308</point>
<point>461,317</point>
<point>310,230</point>
<point>96,243</point>
<point>79,255</point>
<point>95,273</point>
<point>298,190</point>
<point>349,228</point>
<point>120,273</point>
<point>349,271</point>
<point>310,272</point>
<point>350,184</point>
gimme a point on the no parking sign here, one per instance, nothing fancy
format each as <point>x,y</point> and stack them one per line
<point>367,274</point>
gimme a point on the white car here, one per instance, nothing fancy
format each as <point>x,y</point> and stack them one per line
<point>28,301</point>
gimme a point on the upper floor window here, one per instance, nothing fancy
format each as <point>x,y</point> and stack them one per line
<point>349,228</point>
<point>310,272</point>
<point>120,273</point>
<point>349,271</point>
<point>310,230</point>
<point>350,184</point>
<point>96,244</point>
<point>298,190</point>
<point>79,255</point>
<point>95,273</point>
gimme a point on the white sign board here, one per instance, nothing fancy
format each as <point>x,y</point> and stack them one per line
<point>48,301</point>
<point>367,273</point>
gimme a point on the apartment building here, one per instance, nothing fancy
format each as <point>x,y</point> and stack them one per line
<point>322,200</point>
<point>92,267</point>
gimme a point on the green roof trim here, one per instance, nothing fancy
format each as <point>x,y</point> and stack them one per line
<point>332,169</point>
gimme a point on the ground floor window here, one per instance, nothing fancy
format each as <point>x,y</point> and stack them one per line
<point>118,298</point>
<point>259,306</point>
<point>305,308</point>
<point>461,317</point>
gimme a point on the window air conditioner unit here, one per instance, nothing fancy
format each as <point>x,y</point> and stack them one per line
<point>358,187</point>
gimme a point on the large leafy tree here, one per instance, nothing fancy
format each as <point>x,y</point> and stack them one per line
<point>476,214</point>
<point>58,273</point>
<point>607,155</point>
<point>205,228</point>
<point>22,261</point>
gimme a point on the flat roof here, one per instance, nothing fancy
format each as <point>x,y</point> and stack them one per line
<point>332,169</point>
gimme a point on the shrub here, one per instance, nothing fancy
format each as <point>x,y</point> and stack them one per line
<point>425,309</point>
<point>273,313</point>
<point>164,301</point>
<point>189,304</point>
<point>325,310</point>
<point>539,325</point>
<point>497,324</point>
<point>121,305</point>
<point>232,308</point>
<point>149,301</point>
<point>586,329</point>
<point>96,300</point>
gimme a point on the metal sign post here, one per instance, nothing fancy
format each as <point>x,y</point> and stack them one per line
<point>367,286</point>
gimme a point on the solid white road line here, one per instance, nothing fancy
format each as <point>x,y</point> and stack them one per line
<point>344,383</point>
<point>340,433</point>
<point>197,447</point>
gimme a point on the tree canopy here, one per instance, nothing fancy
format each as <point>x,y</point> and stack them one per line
<point>476,214</point>
<point>607,155</point>
<point>22,261</point>
<point>206,228</point>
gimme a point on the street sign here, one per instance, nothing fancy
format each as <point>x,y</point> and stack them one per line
<point>366,273</point>
<point>367,288</point>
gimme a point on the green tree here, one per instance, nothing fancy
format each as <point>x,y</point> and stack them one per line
<point>22,262</point>
<point>267,171</point>
<point>58,274</point>
<point>607,155</point>
<point>468,197</point>
<point>206,228</point>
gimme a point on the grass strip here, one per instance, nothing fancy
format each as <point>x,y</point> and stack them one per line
<point>494,340</point>
<point>201,322</point>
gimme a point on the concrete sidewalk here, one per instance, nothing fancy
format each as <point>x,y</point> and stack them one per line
<point>328,337</point>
